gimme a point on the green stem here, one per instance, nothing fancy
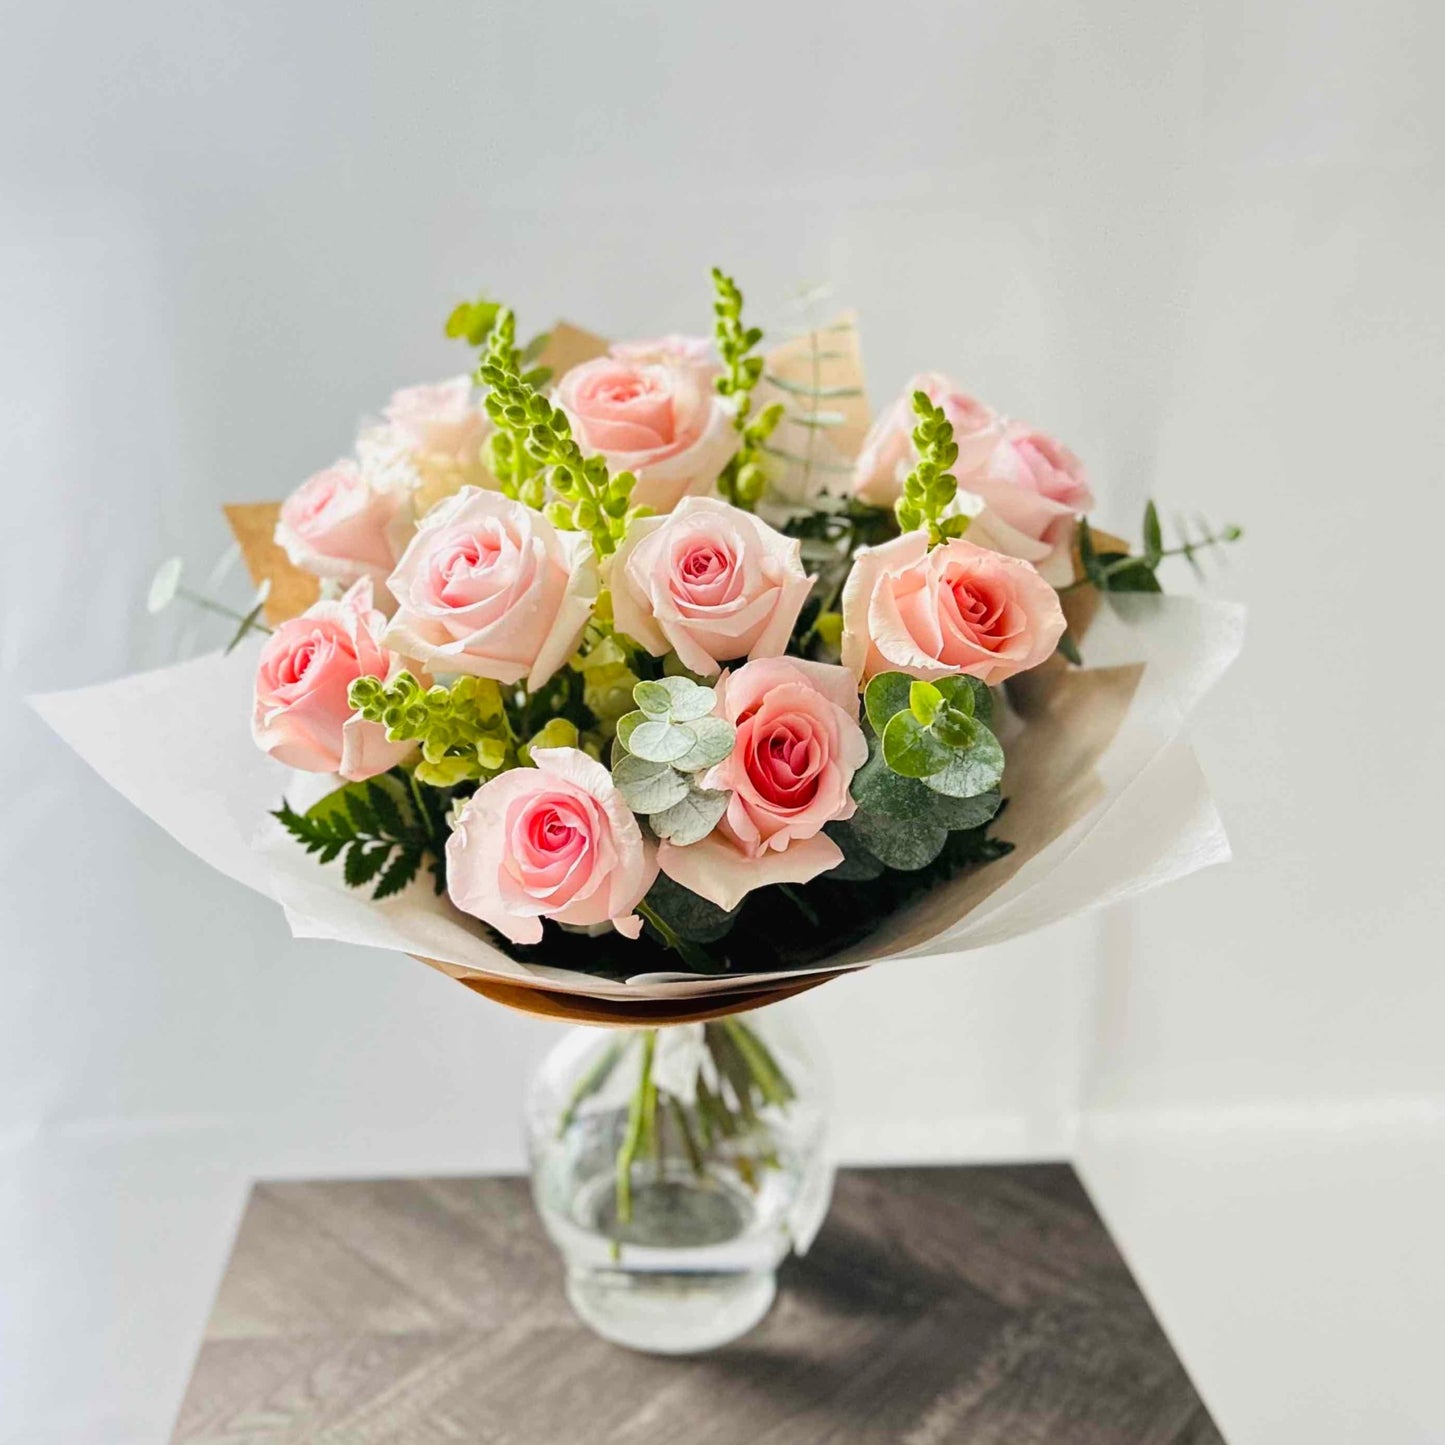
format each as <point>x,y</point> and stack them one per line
<point>632,1141</point>
<point>694,955</point>
<point>694,1154</point>
<point>589,1084</point>
<point>1187,549</point>
<point>208,604</point>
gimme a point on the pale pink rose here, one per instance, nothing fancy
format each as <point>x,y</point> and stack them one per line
<point>1033,491</point>
<point>660,420</point>
<point>344,523</point>
<point>553,841</point>
<point>798,746</point>
<point>888,454</point>
<point>442,429</point>
<point>709,582</point>
<point>688,350</point>
<point>302,715</point>
<point>957,608</point>
<point>490,587</point>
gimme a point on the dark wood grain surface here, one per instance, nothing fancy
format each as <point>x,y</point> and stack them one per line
<point>979,1305</point>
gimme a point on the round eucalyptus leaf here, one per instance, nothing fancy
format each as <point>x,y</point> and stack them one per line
<point>885,696</point>
<point>687,700</point>
<point>648,787</point>
<point>692,819</point>
<point>164,585</point>
<point>626,725</point>
<point>912,748</point>
<point>715,738</point>
<point>967,774</point>
<point>653,698</point>
<point>660,742</point>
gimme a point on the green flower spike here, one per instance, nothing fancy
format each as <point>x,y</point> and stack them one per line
<point>462,729</point>
<point>929,487</point>
<point>533,448</point>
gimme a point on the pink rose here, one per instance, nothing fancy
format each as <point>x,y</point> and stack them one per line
<point>442,428</point>
<point>344,523</point>
<point>1033,490</point>
<point>660,420</point>
<point>798,746</point>
<point>888,453</point>
<point>710,582</point>
<point>957,608</point>
<point>302,716</point>
<point>553,841</point>
<point>490,587</point>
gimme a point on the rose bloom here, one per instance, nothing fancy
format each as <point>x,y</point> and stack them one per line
<point>302,714</point>
<point>798,746</point>
<point>442,428</point>
<point>710,582</point>
<point>888,454</point>
<point>957,608</point>
<point>661,420</point>
<point>553,841</point>
<point>490,587</point>
<point>1033,490</point>
<point>345,523</point>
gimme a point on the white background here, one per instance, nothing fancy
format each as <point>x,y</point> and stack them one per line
<point>1201,245</point>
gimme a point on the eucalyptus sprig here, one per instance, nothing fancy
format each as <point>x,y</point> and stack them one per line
<point>936,732</point>
<point>930,487</point>
<point>660,750</point>
<point>540,451</point>
<point>1114,571</point>
<point>743,479</point>
<point>463,729</point>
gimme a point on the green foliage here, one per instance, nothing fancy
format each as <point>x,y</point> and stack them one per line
<point>936,732</point>
<point>930,487</point>
<point>463,729</point>
<point>659,752</point>
<point>472,321</point>
<point>1112,571</point>
<point>382,829</point>
<point>607,678</point>
<point>532,449</point>
<point>743,479</point>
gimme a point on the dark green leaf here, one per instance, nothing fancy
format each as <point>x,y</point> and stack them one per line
<point>689,915</point>
<point>858,865</point>
<point>399,872</point>
<point>386,809</point>
<point>905,846</point>
<point>1070,649</point>
<point>1136,576</point>
<point>1153,537</point>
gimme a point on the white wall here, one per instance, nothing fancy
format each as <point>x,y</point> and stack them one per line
<point>1201,246</point>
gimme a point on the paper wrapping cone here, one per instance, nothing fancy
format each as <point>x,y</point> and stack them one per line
<point>1105,798</point>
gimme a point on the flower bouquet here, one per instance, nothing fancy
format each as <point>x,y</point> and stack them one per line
<point>648,682</point>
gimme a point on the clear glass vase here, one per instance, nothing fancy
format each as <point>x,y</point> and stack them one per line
<point>675,1168</point>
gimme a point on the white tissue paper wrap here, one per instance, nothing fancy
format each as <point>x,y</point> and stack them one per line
<point>1136,812</point>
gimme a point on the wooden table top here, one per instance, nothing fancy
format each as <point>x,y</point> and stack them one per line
<point>982,1304</point>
